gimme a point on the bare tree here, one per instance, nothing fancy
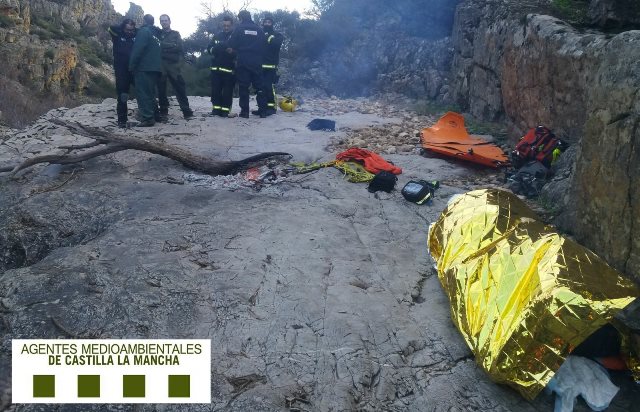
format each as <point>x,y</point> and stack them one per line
<point>246,4</point>
<point>319,7</point>
<point>207,9</point>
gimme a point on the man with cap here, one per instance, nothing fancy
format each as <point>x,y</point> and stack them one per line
<point>273,42</point>
<point>247,41</point>
<point>223,64</point>
<point>146,65</point>
<point>172,57</point>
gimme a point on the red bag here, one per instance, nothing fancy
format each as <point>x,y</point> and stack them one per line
<point>538,144</point>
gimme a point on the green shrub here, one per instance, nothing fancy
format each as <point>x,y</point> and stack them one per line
<point>573,11</point>
<point>197,77</point>
<point>6,22</point>
<point>94,60</point>
<point>100,86</point>
<point>50,54</point>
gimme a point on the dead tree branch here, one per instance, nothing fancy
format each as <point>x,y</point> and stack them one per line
<point>106,142</point>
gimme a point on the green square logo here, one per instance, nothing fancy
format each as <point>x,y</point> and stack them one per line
<point>133,386</point>
<point>88,386</point>
<point>179,386</point>
<point>44,386</point>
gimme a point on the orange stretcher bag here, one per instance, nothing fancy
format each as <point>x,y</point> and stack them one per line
<point>448,137</point>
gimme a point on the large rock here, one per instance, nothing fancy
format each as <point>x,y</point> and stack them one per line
<point>606,185</point>
<point>51,49</point>
<point>528,69</point>
<point>86,14</point>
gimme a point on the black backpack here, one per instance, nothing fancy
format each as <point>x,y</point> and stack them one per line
<point>385,181</point>
<point>419,191</point>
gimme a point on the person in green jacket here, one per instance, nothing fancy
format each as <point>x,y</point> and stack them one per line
<point>172,57</point>
<point>146,65</point>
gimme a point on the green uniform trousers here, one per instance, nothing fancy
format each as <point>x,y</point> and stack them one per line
<point>146,83</point>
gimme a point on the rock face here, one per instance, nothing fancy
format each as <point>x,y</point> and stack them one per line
<point>615,13</point>
<point>51,51</point>
<point>37,59</point>
<point>77,13</point>
<point>527,69</point>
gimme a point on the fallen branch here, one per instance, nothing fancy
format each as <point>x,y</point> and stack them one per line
<point>106,142</point>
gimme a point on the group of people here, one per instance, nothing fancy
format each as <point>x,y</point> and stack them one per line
<point>248,54</point>
<point>149,57</point>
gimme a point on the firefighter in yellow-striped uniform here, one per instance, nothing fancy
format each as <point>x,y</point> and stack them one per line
<point>270,62</point>
<point>223,77</point>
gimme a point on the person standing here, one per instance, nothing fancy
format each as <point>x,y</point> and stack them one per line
<point>123,36</point>
<point>247,42</point>
<point>146,65</point>
<point>172,54</point>
<point>223,77</point>
<point>270,62</point>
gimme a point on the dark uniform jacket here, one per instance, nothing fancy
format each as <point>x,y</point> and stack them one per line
<point>171,46</point>
<point>218,50</point>
<point>248,41</point>
<point>145,55</point>
<point>122,46</point>
<point>272,52</point>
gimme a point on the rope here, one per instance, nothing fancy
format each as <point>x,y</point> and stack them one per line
<point>354,172</point>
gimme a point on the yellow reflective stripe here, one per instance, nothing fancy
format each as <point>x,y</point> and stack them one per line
<point>271,104</point>
<point>222,69</point>
<point>216,107</point>
<point>269,66</point>
<point>214,68</point>
<point>224,109</point>
<point>270,38</point>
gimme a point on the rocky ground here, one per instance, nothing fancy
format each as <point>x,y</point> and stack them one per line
<point>315,293</point>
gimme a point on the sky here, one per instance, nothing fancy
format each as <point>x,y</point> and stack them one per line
<point>184,13</point>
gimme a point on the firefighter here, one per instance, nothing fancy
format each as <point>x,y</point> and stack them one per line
<point>123,37</point>
<point>247,42</point>
<point>223,77</point>
<point>270,62</point>
<point>146,64</point>
<point>172,57</point>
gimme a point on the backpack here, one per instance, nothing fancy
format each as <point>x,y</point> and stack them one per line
<point>419,191</point>
<point>385,181</point>
<point>538,144</point>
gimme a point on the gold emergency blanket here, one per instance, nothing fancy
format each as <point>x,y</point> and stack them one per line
<point>522,295</point>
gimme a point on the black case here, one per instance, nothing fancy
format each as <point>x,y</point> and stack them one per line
<point>418,191</point>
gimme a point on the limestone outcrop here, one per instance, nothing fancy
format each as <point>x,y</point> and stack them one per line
<point>525,69</point>
<point>52,51</point>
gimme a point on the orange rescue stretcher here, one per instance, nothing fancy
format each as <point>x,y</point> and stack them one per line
<point>448,137</point>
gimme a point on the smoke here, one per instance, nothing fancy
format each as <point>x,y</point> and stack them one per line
<point>356,40</point>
